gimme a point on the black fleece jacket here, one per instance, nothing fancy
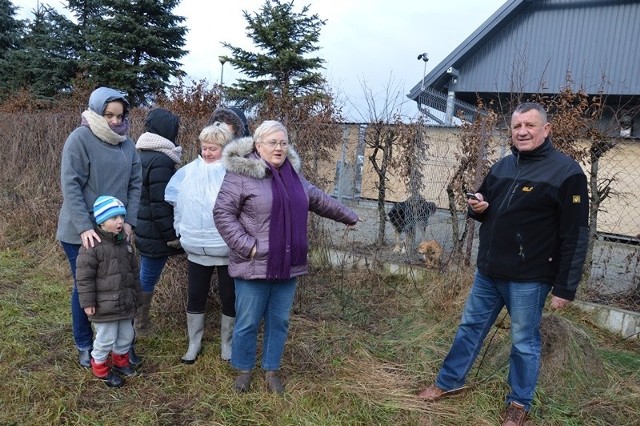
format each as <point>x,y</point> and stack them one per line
<point>536,226</point>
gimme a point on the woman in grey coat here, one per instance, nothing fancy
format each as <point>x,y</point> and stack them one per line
<point>261,213</point>
<point>98,158</point>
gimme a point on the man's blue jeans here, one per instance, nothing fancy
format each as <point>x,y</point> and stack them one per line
<point>524,301</point>
<point>150,271</point>
<point>255,300</point>
<point>82,331</point>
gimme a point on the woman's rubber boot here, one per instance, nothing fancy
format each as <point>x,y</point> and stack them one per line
<point>134,359</point>
<point>141,323</point>
<point>226,335</point>
<point>273,382</point>
<point>242,382</point>
<point>84,358</point>
<point>195,330</point>
<point>103,372</point>
<point>122,366</point>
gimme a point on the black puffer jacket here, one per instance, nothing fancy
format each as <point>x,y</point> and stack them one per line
<point>107,276</point>
<point>158,156</point>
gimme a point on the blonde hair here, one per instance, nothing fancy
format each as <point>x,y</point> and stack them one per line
<point>267,127</point>
<point>217,133</point>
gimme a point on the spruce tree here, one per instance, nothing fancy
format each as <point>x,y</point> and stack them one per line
<point>47,60</point>
<point>86,11</point>
<point>10,27</point>
<point>131,45</point>
<point>11,30</point>
<point>280,70</point>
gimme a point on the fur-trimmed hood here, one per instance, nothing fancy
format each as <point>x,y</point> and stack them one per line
<point>240,157</point>
<point>233,116</point>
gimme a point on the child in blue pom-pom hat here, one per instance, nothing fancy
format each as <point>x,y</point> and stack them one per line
<point>108,282</point>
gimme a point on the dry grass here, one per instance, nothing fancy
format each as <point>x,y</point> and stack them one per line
<point>361,345</point>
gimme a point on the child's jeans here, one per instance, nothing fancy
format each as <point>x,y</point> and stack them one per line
<point>112,336</point>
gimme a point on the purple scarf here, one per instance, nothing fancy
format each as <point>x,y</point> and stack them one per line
<point>287,224</point>
<point>122,128</point>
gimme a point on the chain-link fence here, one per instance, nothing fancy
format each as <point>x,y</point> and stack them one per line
<point>346,171</point>
<point>615,269</point>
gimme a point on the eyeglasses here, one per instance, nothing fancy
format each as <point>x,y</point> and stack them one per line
<point>272,144</point>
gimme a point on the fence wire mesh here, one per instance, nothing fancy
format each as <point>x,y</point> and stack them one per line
<point>344,169</point>
<point>613,270</point>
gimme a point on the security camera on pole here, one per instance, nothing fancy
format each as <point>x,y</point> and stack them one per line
<point>451,95</point>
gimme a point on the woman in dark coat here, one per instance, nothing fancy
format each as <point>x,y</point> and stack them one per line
<point>156,239</point>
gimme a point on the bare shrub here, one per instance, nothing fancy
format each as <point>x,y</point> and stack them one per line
<point>474,160</point>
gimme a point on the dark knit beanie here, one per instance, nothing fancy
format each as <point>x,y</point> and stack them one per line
<point>243,118</point>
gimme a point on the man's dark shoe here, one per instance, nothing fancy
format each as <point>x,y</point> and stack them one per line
<point>242,382</point>
<point>514,415</point>
<point>434,393</point>
<point>84,358</point>
<point>273,382</point>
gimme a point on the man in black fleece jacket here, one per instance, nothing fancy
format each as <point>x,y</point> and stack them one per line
<point>534,210</point>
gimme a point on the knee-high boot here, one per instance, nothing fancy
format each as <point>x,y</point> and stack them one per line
<point>226,334</point>
<point>195,330</point>
<point>141,321</point>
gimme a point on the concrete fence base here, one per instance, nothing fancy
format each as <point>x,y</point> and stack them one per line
<point>617,320</point>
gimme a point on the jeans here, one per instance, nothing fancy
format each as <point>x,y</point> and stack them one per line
<point>150,271</point>
<point>524,302</point>
<point>82,331</point>
<point>255,300</point>
<point>112,336</point>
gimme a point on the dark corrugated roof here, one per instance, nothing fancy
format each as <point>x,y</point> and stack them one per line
<point>532,46</point>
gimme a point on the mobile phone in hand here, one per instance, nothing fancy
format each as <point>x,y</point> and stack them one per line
<point>472,196</point>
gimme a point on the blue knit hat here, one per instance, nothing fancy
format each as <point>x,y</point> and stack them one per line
<point>106,207</point>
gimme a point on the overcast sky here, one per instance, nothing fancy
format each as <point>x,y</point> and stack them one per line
<point>364,42</point>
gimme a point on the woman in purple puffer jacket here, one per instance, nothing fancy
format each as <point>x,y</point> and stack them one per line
<point>261,213</point>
